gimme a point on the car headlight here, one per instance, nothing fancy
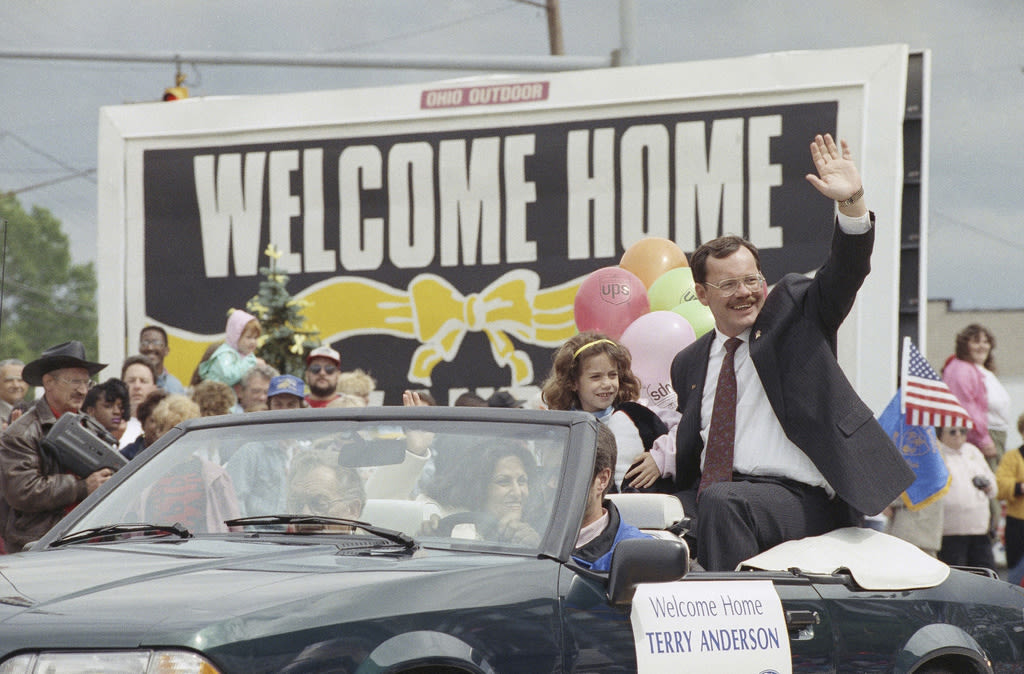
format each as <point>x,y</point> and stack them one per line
<point>121,662</point>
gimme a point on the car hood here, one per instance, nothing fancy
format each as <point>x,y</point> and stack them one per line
<point>199,592</point>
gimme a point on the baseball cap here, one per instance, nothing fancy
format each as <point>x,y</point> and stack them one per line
<point>324,351</point>
<point>286,383</point>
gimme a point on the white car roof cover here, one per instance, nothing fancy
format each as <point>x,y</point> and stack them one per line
<point>876,561</point>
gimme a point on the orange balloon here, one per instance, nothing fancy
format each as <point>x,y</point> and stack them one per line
<point>651,257</point>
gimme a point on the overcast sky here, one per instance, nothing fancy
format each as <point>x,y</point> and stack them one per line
<point>49,109</point>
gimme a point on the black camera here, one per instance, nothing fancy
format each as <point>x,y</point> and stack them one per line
<point>82,446</point>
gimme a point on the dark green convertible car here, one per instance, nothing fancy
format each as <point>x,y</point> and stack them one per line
<point>439,540</point>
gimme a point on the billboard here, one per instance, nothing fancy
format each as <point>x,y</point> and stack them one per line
<point>439,231</point>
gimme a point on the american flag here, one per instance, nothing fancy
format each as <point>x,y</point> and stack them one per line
<point>927,401</point>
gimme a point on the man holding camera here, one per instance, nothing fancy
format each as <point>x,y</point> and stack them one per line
<point>36,491</point>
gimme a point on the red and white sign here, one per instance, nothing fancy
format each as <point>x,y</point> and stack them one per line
<point>491,94</point>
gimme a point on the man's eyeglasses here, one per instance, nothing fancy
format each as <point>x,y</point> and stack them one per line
<point>318,505</point>
<point>75,383</point>
<point>730,286</point>
<point>158,343</point>
<point>957,431</point>
<point>317,369</point>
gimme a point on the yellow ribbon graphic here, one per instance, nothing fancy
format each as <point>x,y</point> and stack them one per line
<point>437,315</point>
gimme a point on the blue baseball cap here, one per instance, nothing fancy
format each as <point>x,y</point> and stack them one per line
<point>286,383</point>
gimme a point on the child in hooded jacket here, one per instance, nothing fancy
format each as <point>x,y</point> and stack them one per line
<point>236,355</point>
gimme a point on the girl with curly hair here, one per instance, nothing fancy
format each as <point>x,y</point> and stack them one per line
<point>591,372</point>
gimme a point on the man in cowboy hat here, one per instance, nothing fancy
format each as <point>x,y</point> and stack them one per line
<point>35,489</point>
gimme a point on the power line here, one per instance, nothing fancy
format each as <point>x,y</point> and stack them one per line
<point>85,173</point>
<point>75,172</point>
<point>978,230</point>
<point>43,153</point>
<point>432,28</point>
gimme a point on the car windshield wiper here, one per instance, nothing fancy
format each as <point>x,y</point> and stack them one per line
<point>388,534</point>
<point>115,529</point>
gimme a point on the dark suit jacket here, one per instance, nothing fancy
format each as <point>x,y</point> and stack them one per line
<point>793,348</point>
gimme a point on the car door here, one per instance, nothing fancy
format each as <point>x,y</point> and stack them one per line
<point>811,636</point>
<point>597,637</point>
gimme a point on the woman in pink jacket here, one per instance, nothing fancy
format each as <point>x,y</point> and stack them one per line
<point>970,375</point>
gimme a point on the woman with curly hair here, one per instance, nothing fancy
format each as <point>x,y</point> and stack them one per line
<point>970,375</point>
<point>213,397</point>
<point>484,493</point>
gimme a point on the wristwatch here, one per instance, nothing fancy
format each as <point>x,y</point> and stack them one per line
<point>852,200</point>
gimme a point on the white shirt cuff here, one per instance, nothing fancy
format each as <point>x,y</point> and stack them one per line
<point>858,225</point>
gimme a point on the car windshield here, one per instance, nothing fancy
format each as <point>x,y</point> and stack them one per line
<point>449,481</point>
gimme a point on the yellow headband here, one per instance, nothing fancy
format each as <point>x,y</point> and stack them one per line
<point>590,344</point>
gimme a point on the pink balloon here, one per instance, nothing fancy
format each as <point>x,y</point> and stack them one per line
<point>653,341</point>
<point>608,300</point>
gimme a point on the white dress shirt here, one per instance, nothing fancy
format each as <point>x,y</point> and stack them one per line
<point>761,446</point>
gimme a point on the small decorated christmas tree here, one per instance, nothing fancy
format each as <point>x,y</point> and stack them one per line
<point>285,340</point>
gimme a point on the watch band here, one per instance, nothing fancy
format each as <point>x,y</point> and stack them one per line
<point>852,200</point>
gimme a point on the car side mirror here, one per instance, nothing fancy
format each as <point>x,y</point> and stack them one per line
<point>645,560</point>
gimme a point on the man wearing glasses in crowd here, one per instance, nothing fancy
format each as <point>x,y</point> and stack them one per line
<point>323,368</point>
<point>153,345</point>
<point>36,490</point>
<point>773,442</point>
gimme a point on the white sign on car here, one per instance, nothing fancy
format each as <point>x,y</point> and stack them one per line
<point>712,626</point>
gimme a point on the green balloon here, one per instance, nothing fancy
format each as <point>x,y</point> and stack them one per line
<point>698,316</point>
<point>671,289</point>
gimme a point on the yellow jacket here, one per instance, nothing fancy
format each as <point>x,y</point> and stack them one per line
<point>1009,473</point>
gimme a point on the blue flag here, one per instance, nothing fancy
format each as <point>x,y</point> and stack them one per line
<point>920,449</point>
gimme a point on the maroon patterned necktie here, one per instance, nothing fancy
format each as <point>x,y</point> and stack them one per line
<point>722,435</point>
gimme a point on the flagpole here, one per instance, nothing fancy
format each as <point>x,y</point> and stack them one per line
<point>904,370</point>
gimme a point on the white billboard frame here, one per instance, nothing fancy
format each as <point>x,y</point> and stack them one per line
<point>868,82</point>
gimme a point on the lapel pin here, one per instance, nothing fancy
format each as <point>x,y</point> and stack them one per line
<point>757,335</point>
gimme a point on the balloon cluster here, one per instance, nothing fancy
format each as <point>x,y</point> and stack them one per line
<point>648,304</point>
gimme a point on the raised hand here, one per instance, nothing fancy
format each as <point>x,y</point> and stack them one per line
<point>838,177</point>
<point>412,399</point>
<point>417,442</point>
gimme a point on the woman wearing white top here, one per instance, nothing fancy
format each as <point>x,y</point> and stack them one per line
<point>965,507</point>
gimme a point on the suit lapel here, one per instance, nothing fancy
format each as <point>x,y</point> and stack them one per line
<point>697,373</point>
<point>762,353</point>
<point>699,367</point>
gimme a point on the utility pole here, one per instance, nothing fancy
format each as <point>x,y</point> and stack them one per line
<point>555,28</point>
